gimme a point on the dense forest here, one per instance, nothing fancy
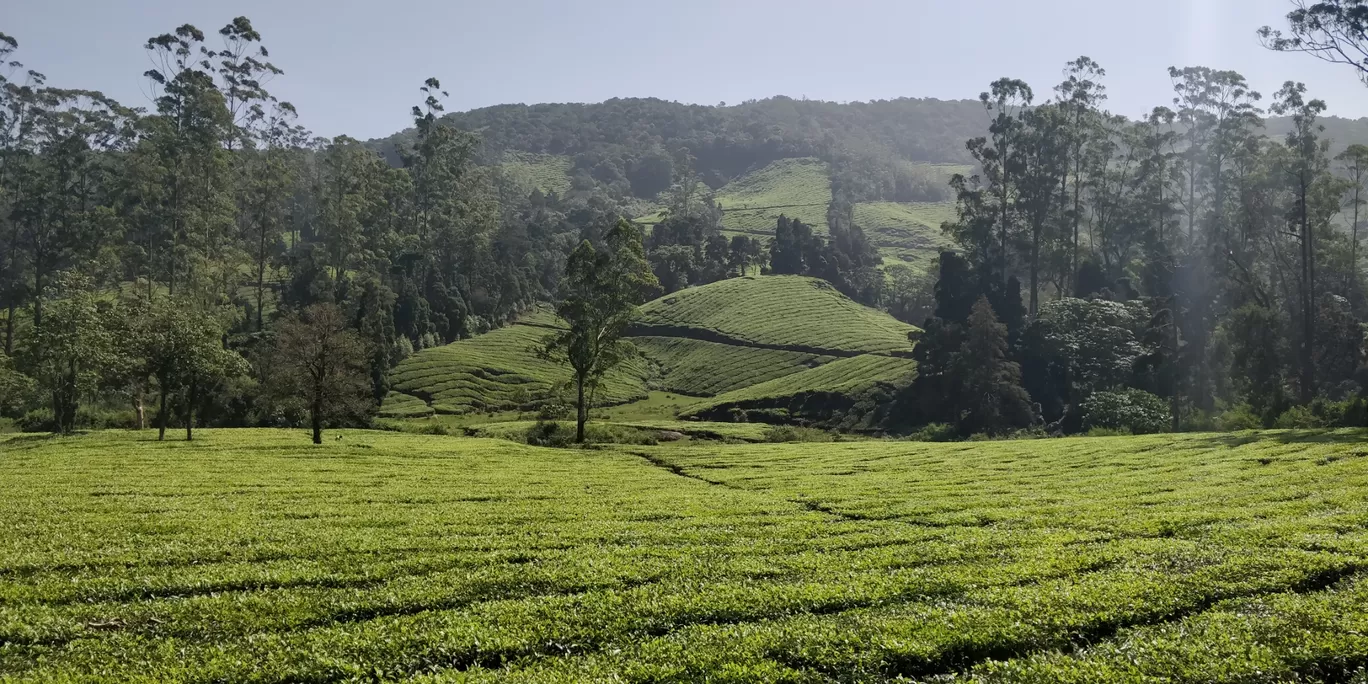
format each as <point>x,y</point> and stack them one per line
<point>1197,267</point>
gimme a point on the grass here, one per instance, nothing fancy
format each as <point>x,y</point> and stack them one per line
<point>789,312</point>
<point>546,172</point>
<point>252,555</point>
<point>798,188</point>
<point>848,376</point>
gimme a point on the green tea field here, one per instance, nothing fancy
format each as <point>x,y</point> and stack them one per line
<point>251,555</point>
<point>754,342</point>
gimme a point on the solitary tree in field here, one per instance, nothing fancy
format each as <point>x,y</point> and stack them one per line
<point>600,293</point>
<point>322,362</point>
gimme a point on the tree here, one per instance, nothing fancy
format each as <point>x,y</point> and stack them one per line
<point>600,293</point>
<point>181,346</point>
<point>72,347</point>
<point>323,363</point>
<point>992,399</point>
<point>1306,166</point>
<point>1080,96</point>
<point>1335,31</point>
<point>1354,163</point>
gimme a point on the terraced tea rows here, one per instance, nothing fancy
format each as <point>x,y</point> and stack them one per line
<point>545,172</point>
<point>786,312</point>
<point>711,340</point>
<point>797,188</point>
<point>908,232</point>
<point>249,554</point>
<point>704,369</point>
<point>500,370</point>
<point>847,376</point>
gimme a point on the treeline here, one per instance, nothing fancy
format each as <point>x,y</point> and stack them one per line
<point>1184,271</point>
<point>177,255</point>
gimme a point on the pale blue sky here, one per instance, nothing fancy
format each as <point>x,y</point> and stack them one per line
<point>354,67</point>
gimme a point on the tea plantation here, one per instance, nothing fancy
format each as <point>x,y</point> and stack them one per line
<point>754,342</point>
<point>250,555</point>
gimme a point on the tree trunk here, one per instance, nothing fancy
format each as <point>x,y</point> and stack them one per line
<point>190,411</point>
<point>138,407</point>
<point>1308,303</point>
<point>316,418</point>
<point>1353,245</point>
<point>9,329</point>
<point>1175,404</point>
<point>581,412</point>
<point>161,412</point>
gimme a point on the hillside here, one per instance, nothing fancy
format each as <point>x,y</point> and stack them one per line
<point>250,555</point>
<point>498,370</point>
<point>763,157</point>
<point>783,339</point>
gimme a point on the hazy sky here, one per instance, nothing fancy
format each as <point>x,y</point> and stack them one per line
<point>354,67</point>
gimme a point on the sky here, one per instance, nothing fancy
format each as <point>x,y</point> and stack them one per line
<point>355,67</point>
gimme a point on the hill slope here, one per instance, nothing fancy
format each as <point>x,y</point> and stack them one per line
<point>498,370</point>
<point>792,313</point>
<point>719,339</point>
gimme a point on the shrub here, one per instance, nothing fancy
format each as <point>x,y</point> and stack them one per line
<point>549,433</point>
<point>790,433</point>
<point>1299,418</point>
<point>935,432</point>
<point>1108,432</point>
<point>1132,410</point>
<point>554,410</point>
<point>435,429</point>
<point>1324,413</point>
<point>1355,413</point>
<point>1238,418</point>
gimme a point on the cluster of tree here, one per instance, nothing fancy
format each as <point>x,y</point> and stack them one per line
<point>176,250</point>
<point>688,246</point>
<point>1187,261</point>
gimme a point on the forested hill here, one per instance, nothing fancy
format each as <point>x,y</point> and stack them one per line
<point>631,145</point>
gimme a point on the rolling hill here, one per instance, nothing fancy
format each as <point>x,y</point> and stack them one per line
<point>768,348</point>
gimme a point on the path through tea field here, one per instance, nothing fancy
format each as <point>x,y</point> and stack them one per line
<point>251,555</point>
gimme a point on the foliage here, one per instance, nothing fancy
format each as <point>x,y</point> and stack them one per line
<point>1134,411</point>
<point>72,347</point>
<point>600,295</point>
<point>322,363</point>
